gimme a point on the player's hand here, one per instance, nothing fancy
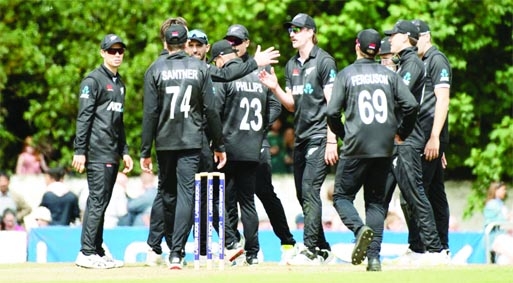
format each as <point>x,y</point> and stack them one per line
<point>331,154</point>
<point>444,161</point>
<point>128,164</point>
<point>397,139</point>
<point>266,57</point>
<point>431,149</point>
<point>269,79</point>
<point>220,159</point>
<point>79,163</point>
<point>146,164</point>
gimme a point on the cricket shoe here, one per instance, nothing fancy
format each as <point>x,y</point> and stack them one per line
<point>92,261</point>
<point>233,251</point>
<point>112,261</point>
<point>176,263</point>
<point>306,257</point>
<point>373,264</point>
<point>363,241</point>
<point>326,256</point>
<point>288,252</point>
<point>153,259</point>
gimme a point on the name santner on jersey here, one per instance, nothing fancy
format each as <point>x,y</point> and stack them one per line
<point>179,74</point>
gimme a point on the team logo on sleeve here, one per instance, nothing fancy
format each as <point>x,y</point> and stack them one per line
<point>333,75</point>
<point>308,89</point>
<point>444,75</point>
<point>407,78</point>
<point>85,92</point>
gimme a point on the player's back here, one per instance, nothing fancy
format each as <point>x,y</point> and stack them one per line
<point>180,86</point>
<point>371,95</point>
<point>243,106</point>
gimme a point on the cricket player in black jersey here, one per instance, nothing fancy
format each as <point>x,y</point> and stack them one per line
<point>262,58</point>
<point>177,92</point>
<point>244,109</point>
<point>406,171</point>
<point>368,96</point>
<point>309,80</point>
<point>100,143</point>
<point>433,119</point>
<point>238,36</point>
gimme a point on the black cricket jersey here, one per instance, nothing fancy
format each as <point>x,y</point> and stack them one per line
<point>177,92</point>
<point>367,94</point>
<point>100,131</point>
<point>307,81</point>
<point>411,70</point>
<point>438,74</point>
<point>243,107</point>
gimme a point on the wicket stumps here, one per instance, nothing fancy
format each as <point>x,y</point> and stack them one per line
<point>210,217</point>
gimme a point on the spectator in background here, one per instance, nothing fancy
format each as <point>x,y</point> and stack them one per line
<point>62,203</point>
<point>9,221</point>
<point>495,210</point>
<point>43,216</point>
<point>30,160</point>
<point>12,200</point>
<point>118,204</point>
<point>139,208</point>
<point>277,147</point>
<point>288,141</point>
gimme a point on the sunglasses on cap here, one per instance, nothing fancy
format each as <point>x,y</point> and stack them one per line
<point>197,34</point>
<point>113,51</point>
<point>294,29</point>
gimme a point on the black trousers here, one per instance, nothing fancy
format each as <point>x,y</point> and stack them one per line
<point>351,174</point>
<point>240,188</point>
<point>272,204</point>
<point>177,170</point>
<point>156,229</point>
<point>406,172</point>
<point>101,178</point>
<point>310,171</point>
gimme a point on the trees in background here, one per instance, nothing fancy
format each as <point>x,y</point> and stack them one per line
<point>48,46</point>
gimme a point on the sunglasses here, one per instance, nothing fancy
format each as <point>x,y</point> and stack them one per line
<point>197,35</point>
<point>113,51</point>
<point>294,29</point>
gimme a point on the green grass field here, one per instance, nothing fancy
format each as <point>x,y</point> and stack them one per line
<point>266,272</point>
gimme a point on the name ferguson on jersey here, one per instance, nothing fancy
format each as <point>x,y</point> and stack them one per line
<point>369,79</point>
<point>179,74</point>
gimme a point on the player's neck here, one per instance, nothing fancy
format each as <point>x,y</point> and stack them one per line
<point>304,51</point>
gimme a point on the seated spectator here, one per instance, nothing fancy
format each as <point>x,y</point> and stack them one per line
<point>30,160</point>
<point>117,207</point>
<point>62,203</point>
<point>276,148</point>
<point>495,210</point>
<point>394,222</point>
<point>12,200</point>
<point>43,216</point>
<point>288,141</point>
<point>9,221</point>
<point>139,208</point>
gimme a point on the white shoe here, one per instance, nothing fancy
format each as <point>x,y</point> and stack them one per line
<point>288,252</point>
<point>435,258</point>
<point>326,256</point>
<point>176,263</point>
<point>408,258</point>
<point>152,258</point>
<point>305,257</point>
<point>92,261</point>
<point>234,251</point>
<point>116,263</point>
